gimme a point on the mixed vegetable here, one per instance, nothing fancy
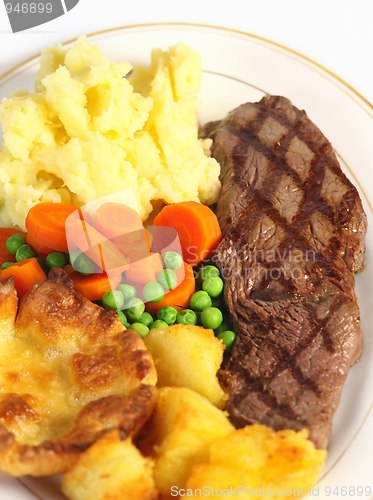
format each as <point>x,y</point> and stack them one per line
<point>153,292</point>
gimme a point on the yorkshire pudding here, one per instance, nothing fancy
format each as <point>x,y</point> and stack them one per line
<point>69,373</point>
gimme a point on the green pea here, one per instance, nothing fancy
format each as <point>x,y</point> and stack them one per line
<point>25,252</point>
<point>186,317</point>
<point>114,299</point>
<point>128,291</point>
<point>73,256</point>
<point>158,323</point>
<point>207,272</point>
<point>213,286</point>
<point>5,265</point>
<point>153,291</point>
<point>146,319</point>
<point>43,265</point>
<point>200,300</point>
<point>167,278</point>
<point>167,314</point>
<point>55,259</point>
<point>134,308</point>
<point>222,328</point>
<point>172,260</point>
<point>140,328</point>
<point>228,337</point>
<point>82,263</point>
<point>211,317</point>
<point>14,242</point>
<point>122,318</point>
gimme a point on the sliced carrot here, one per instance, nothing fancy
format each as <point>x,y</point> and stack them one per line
<point>82,235</point>
<point>145,270</point>
<point>123,226</point>
<point>25,272</point>
<point>137,249</point>
<point>42,250</point>
<point>178,297</point>
<point>45,224</point>
<point>118,220</point>
<point>5,232</point>
<point>97,247</point>
<point>93,287</point>
<point>197,227</point>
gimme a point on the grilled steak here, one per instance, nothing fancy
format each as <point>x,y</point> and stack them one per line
<point>293,234</point>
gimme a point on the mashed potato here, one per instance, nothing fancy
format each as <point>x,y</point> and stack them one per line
<point>88,132</point>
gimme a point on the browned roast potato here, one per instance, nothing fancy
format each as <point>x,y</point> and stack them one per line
<point>111,469</point>
<point>69,373</point>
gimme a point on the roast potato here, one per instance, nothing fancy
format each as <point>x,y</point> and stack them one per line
<point>179,433</point>
<point>259,459</point>
<point>188,356</point>
<point>111,469</point>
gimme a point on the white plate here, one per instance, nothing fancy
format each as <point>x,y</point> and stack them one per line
<point>239,67</point>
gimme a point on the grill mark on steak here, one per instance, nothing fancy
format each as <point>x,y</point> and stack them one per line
<point>303,129</point>
<point>284,194</point>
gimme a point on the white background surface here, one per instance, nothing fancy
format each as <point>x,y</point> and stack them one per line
<point>337,34</point>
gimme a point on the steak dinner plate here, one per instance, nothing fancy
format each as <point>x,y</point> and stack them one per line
<point>239,67</point>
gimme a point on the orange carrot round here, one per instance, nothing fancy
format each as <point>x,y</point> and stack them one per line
<point>5,232</point>
<point>42,250</point>
<point>197,227</point>
<point>137,249</point>
<point>93,287</point>
<point>178,297</point>
<point>25,272</point>
<point>97,247</point>
<point>145,270</point>
<point>45,224</point>
<point>116,220</point>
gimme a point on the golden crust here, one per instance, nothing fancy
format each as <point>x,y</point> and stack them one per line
<point>111,469</point>
<point>53,313</point>
<point>69,373</point>
<point>8,305</point>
